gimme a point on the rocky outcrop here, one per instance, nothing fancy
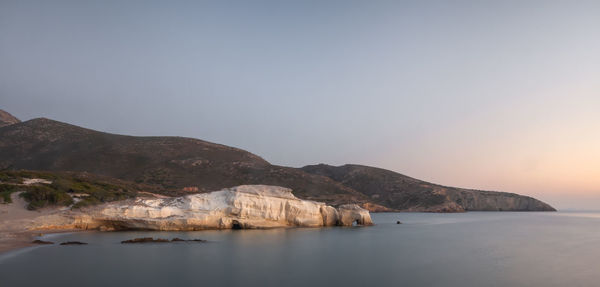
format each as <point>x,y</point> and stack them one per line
<point>7,119</point>
<point>241,207</point>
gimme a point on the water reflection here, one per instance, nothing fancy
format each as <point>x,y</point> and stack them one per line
<point>469,249</point>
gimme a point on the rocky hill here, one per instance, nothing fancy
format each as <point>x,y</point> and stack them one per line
<point>401,192</point>
<point>178,166</point>
<point>7,119</point>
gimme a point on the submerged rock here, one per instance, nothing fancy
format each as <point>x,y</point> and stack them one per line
<point>145,240</point>
<point>241,207</point>
<point>176,239</point>
<point>73,243</point>
<point>196,240</point>
<point>159,240</point>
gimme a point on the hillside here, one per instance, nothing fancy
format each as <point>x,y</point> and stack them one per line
<point>401,192</point>
<point>43,188</point>
<point>178,165</point>
<point>7,119</point>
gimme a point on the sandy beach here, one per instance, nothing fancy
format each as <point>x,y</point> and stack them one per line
<point>20,226</point>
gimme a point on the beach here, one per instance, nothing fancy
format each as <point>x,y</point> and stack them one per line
<point>20,226</point>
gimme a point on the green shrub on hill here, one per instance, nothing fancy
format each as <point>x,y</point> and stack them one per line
<point>63,188</point>
<point>40,196</point>
<point>5,191</point>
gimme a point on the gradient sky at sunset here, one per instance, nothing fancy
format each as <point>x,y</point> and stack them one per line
<point>499,95</point>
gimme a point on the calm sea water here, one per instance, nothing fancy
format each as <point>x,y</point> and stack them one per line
<point>469,249</point>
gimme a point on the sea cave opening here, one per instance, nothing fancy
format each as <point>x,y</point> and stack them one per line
<point>236,225</point>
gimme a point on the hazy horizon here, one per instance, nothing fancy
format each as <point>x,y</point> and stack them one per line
<point>487,95</point>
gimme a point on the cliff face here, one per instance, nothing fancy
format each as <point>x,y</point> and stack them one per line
<point>405,193</point>
<point>247,206</point>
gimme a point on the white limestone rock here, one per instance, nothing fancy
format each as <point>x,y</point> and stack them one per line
<point>350,213</point>
<point>246,206</point>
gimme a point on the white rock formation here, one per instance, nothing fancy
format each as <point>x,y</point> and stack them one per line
<point>246,206</point>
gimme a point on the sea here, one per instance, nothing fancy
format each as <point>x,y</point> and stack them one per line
<point>426,249</point>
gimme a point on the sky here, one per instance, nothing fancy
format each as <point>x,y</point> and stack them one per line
<point>494,95</point>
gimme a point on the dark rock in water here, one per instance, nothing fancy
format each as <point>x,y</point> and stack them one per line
<point>176,239</point>
<point>160,240</point>
<point>398,222</point>
<point>37,241</point>
<point>145,240</point>
<point>73,243</point>
<point>198,240</point>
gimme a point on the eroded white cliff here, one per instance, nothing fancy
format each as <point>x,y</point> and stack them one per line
<point>246,206</point>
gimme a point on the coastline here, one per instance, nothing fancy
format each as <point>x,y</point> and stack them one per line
<point>13,241</point>
<point>20,226</point>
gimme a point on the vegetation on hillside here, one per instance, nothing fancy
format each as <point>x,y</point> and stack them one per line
<point>5,191</point>
<point>64,187</point>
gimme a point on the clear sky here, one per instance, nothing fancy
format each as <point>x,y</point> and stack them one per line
<point>499,95</point>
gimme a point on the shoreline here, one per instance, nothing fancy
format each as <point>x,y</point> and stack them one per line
<point>20,226</point>
<point>14,241</point>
